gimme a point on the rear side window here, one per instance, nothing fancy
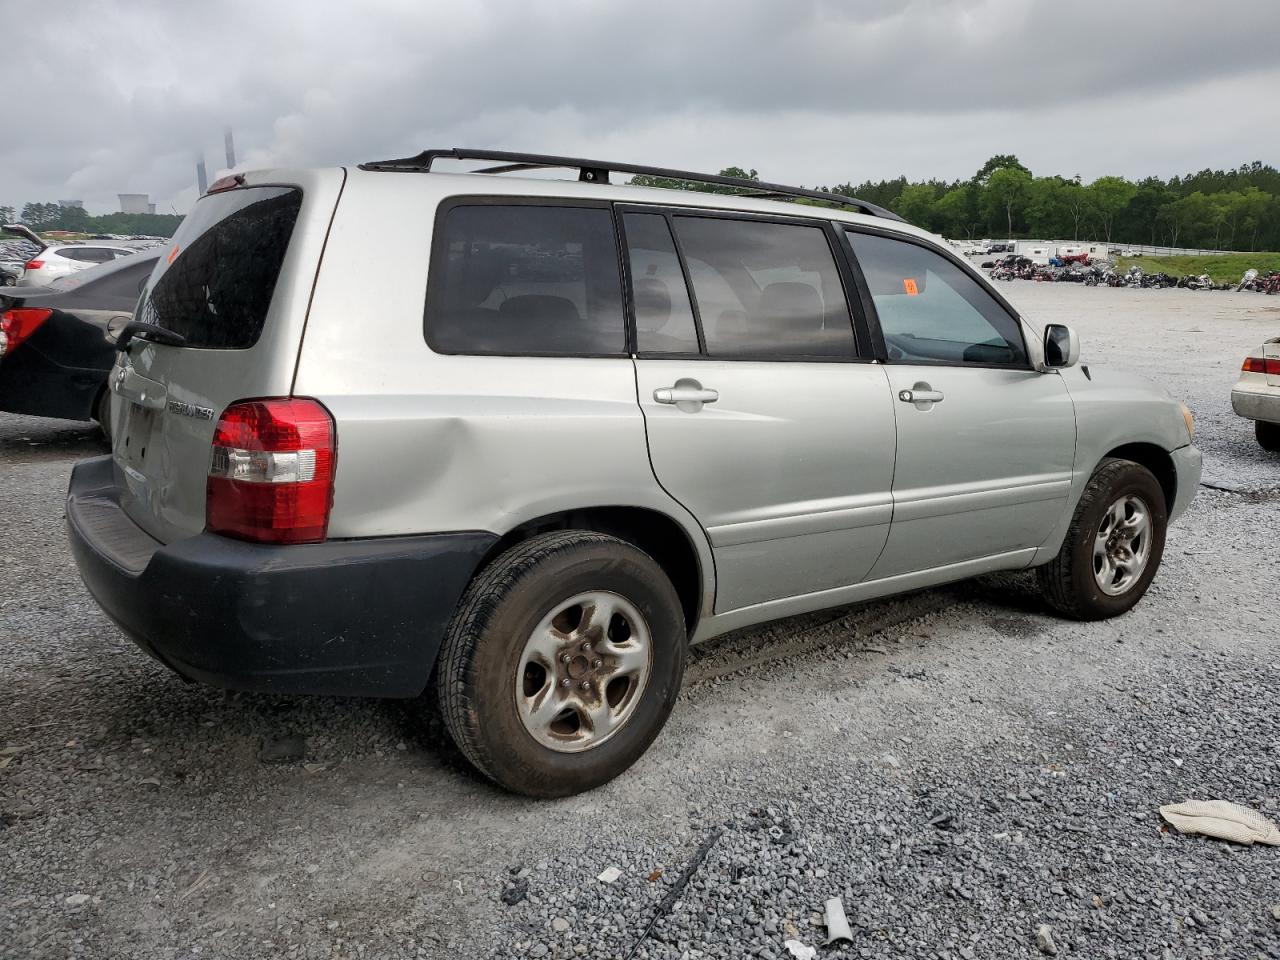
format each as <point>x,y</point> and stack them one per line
<point>215,284</point>
<point>87,254</point>
<point>766,290</point>
<point>664,316</point>
<point>520,279</point>
<point>932,311</point>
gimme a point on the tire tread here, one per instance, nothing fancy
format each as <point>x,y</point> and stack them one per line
<point>1056,577</point>
<point>455,676</point>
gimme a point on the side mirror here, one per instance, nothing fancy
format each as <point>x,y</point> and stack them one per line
<point>1061,346</point>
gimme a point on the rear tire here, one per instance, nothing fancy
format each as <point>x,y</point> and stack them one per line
<point>562,662</point>
<point>1268,435</point>
<point>1113,546</point>
<point>102,414</point>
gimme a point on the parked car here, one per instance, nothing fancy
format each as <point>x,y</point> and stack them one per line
<point>52,261</point>
<point>55,346</point>
<point>18,246</point>
<point>626,420</point>
<point>1256,395</point>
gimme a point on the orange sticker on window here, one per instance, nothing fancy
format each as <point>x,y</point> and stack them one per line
<point>909,285</point>
<point>173,254</point>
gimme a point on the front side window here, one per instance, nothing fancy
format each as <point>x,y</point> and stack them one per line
<point>765,290</point>
<point>932,311</point>
<point>520,279</point>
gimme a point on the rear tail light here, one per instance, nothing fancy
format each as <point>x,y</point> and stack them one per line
<point>33,265</point>
<point>1267,365</point>
<point>271,479</point>
<point>18,324</point>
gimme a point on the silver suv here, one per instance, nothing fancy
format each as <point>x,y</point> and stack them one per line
<point>583,426</point>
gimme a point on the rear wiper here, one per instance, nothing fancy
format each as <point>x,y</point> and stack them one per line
<point>152,332</point>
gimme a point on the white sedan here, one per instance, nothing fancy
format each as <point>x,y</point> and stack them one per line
<point>1256,395</point>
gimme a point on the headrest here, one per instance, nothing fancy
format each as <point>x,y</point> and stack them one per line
<point>653,299</point>
<point>790,305</point>
<point>539,308</point>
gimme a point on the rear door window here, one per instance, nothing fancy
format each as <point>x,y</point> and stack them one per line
<point>215,283</point>
<point>766,290</point>
<point>525,279</point>
<point>931,310</point>
<point>664,316</point>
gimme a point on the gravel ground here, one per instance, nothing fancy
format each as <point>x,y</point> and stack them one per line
<point>957,765</point>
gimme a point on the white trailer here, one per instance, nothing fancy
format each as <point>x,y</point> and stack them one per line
<point>1037,251</point>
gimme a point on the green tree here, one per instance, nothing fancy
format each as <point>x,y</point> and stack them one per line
<point>73,218</point>
<point>916,204</point>
<point>957,211</point>
<point>1055,207</point>
<point>36,215</point>
<point>6,215</point>
<point>1188,218</point>
<point>1075,200</point>
<point>645,180</point>
<point>1256,209</point>
<point>1108,197</point>
<point>1006,191</point>
<point>1001,161</point>
<point>1142,218</point>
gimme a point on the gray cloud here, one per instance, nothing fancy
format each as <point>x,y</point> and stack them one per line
<point>813,92</point>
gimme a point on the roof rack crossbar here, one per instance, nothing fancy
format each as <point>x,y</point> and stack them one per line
<point>597,171</point>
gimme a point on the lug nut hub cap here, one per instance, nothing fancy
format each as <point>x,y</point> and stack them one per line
<point>1122,545</point>
<point>583,671</point>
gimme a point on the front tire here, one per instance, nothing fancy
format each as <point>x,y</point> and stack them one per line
<point>1268,435</point>
<point>562,662</point>
<point>1113,546</point>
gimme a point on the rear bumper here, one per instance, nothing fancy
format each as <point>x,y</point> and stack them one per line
<point>345,617</point>
<point>1257,405</point>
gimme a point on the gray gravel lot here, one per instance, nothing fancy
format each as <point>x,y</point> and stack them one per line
<point>958,765</point>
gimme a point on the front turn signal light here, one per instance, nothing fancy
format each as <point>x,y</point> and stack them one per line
<point>1189,420</point>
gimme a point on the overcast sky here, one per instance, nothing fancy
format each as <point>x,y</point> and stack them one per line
<point>110,98</point>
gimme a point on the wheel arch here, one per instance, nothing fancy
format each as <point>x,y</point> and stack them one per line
<point>1156,459</point>
<point>658,534</point>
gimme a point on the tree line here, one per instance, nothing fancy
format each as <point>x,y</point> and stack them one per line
<point>1220,209</point>
<point>54,216</point>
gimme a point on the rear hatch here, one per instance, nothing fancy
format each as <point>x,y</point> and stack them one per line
<point>235,283</point>
<point>1271,353</point>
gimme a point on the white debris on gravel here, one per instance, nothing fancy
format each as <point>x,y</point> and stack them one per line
<point>609,875</point>
<point>1222,820</point>
<point>834,920</point>
<point>1044,940</point>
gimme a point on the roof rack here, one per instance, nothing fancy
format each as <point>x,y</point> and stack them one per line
<point>597,171</point>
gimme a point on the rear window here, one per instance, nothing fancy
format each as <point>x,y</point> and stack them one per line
<point>525,279</point>
<point>226,258</point>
